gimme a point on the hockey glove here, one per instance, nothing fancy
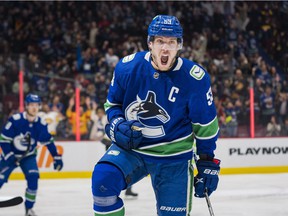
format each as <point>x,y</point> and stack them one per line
<point>207,178</point>
<point>120,131</point>
<point>58,163</point>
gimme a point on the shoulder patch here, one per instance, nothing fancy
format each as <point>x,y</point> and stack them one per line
<point>8,125</point>
<point>128,58</point>
<point>197,72</point>
<point>16,116</point>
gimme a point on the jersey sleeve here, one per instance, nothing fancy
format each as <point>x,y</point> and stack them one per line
<point>204,117</point>
<point>8,132</point>
<point>114,102</point>
<point>45,138</point>
<point>7,135</point>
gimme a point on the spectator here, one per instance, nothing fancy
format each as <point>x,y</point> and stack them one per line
<point>283,107</point>
<point>231,120</point>
<point>56,104</point>
<point>51,117</point>
<point>84,118</point>
<point>111,58</point>
<point>273,128</point>
<point>99,120</point>
<point>94,31</point>
<point>267,102</point>
<point>284,128</point>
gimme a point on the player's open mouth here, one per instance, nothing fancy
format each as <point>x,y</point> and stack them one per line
<point>164,60</point>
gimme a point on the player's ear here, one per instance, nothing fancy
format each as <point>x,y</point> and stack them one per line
<point>150,45</point>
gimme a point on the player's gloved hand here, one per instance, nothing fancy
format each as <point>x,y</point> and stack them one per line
<point>207,177</point>
<point>10,159</point>
<point>120,131</point>
<point>58,163</point>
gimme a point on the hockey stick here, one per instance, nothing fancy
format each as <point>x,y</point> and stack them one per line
<point>209,203</point>
<point>11,202</point>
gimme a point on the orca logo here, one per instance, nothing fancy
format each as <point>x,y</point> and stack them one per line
<point>149,113</point>
<point>21,141</point>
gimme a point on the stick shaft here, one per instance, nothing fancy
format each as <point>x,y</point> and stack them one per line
<point>209,204</point>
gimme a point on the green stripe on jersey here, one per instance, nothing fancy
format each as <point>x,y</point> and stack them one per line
<point>168,149</point>
<point>206,131</point>
<point>107,105</point>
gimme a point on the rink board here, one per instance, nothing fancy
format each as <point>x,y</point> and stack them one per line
<point>238,156</point>
<point>258,155</point>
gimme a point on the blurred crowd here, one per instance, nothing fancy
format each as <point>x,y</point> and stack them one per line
<point>60,45</point>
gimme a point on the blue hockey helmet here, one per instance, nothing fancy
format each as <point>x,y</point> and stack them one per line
<point>32,98</point>
<point>164,25</point>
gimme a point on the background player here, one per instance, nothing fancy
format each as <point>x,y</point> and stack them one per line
<point>157,103</point>
<point>18,141</point>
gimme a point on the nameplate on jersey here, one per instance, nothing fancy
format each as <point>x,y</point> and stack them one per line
<point>128,58</point>
<point>197,72</point>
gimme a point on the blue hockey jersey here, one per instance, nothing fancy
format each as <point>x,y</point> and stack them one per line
<point>14,136</point>
<point>175,106</point>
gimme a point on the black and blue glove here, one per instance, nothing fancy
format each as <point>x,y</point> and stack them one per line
<point>58,163</point>
<point>207,178</point>
<point>121,132</point>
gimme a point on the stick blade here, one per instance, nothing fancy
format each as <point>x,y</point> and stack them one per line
<point>11,202</point>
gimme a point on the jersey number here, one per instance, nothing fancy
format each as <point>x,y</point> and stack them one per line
<point>209,96</point>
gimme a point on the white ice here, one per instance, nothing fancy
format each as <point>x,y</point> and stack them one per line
<point>237,195</point>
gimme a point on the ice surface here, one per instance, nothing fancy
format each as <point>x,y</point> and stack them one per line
<point>237,195</point>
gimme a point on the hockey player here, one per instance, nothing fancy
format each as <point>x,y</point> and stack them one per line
<point>157,104</point>
<point>18,141</point>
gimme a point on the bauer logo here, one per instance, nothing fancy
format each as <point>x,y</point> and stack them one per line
<point>211,172</point>
<point>113,152</point>
<point>172,209</point>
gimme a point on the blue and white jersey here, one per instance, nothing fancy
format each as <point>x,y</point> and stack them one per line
<point>14,135</point>
<point>174,106</point>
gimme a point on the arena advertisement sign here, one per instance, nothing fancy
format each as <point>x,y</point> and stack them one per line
<point>258,155</point>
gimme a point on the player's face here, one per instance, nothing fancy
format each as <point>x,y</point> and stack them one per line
<point>33,109</point>
<point>163,50</point>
